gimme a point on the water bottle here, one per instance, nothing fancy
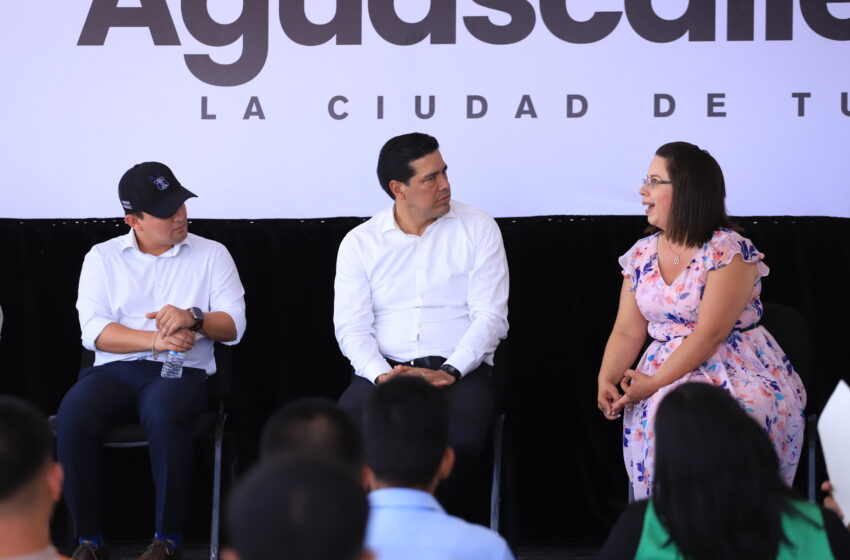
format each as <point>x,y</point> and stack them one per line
<point>172,368</point>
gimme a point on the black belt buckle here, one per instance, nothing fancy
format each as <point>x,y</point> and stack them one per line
<point>427,362</point>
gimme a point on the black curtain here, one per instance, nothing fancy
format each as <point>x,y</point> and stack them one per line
<point>567,480</point>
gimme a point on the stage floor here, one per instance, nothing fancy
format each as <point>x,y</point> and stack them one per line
<point>200,551</point>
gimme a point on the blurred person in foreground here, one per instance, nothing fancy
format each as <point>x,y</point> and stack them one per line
<point>406,427</point>
<point>297,507</point>
<point>318,426</point>
<point>30,482</point>
<point>719,492</point>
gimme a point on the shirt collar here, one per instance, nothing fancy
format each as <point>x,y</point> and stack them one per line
<point>404,497</point>
<point>387,220</point>
<point>129,241</point>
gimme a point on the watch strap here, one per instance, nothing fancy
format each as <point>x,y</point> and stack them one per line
<point>451,370</point>
<point>198,315</point>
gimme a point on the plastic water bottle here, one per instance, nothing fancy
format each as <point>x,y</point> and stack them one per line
<point>173,365</point>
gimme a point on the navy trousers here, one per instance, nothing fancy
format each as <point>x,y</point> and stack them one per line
<point>124,392</point>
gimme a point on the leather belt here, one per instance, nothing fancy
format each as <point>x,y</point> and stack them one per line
<point>427,362</point>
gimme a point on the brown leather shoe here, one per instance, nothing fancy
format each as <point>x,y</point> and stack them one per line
<point>160,550</point>
<point>88,551</point>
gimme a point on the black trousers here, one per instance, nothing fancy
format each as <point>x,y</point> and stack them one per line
<point>472,406</point>
<point>121,392</point>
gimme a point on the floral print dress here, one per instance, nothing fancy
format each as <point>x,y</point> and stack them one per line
<point>749,363</point>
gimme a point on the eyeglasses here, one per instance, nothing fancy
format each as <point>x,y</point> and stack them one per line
<point>647,182</point>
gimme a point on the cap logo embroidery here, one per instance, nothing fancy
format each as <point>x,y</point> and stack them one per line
<point>160,182</point>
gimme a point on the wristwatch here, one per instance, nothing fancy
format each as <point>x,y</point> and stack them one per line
<point>451,370</point>
<point>198,316</point>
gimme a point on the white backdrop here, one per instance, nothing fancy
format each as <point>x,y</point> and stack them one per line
<point>75,117</point>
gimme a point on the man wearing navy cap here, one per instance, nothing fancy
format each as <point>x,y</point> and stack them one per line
<point>155,289</point>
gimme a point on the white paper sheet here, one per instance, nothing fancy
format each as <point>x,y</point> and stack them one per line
<point>835,441</point>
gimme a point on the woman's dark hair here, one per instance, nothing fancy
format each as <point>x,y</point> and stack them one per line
<point>717,486</point>
<point>699,194</point>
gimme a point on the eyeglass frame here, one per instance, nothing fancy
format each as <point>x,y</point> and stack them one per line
<point>651,182</point>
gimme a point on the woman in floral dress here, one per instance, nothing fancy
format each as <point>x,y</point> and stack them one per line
<point>694,286</point>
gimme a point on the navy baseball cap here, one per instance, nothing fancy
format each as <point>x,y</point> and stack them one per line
<point>151,187</point>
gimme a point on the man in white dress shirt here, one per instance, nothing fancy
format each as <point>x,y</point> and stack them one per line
<point>153,290</point>
<point>421,289</point>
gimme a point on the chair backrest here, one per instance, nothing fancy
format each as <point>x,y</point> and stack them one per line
<point>218,385</point>
<point>789,328</point>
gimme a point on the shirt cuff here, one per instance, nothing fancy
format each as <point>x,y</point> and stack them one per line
<point>94,327</point>
<point>237,315</point>
<point>374,368</point>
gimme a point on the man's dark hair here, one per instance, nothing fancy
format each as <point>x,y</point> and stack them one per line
<point>314,425</point>
<point>26,445</point>
<point>406,430</point>
<point>716,473</point>
<point>396,155</point>
<point>698,207</point>
<point>298,507</point>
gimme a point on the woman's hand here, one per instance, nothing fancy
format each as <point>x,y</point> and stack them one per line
<point>607,396</point>
<point>637,386</point>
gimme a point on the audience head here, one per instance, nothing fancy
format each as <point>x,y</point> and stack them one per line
<point>396,155</point>
<point>30,479</point>
<point>297,507</point>
<point>716,473</point>
<point>405,429</point>
<point>699,194</point>
<point>313,425</point>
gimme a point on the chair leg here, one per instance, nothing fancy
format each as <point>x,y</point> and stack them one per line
<point>495,490</point>
<point>216,497</point>
<point>812,428</point>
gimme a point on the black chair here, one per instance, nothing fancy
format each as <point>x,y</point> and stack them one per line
<point>789,328</point>
<point>496,486</point>
<point>210,424</point>
<point>500,442</point>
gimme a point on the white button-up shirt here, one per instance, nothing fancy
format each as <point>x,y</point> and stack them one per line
<point>120,284</point>
<point>403,296</point>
